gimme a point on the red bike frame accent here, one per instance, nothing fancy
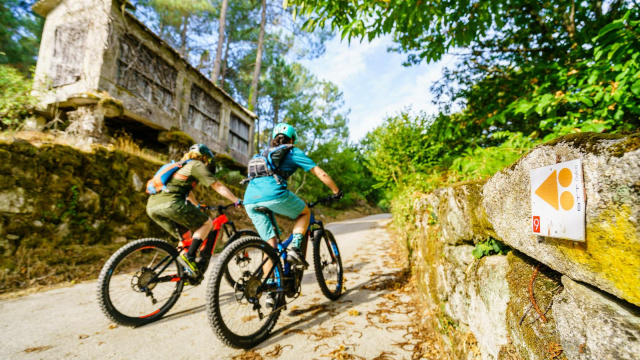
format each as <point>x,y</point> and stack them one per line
<point>217,225</point>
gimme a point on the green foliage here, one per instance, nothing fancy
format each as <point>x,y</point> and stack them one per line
<point>510,108</point>
<point>315,109</point>
<point>482,162</point>
<point>15,97</point>
<point>598,93</point>
<point>20,32</point>
<point>490,247</point>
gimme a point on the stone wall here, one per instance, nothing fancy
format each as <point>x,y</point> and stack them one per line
<point>588,292</point>
<point>63,212</point>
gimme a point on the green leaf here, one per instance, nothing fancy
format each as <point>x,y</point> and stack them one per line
<point>586,101</point>
<point>613,26</point>
<point>635,88</point>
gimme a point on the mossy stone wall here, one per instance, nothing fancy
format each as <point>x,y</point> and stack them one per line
<point>63,212</point>
<point>485,307</point>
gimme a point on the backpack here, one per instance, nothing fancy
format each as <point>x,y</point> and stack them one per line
<point>159,181</point>
<point>268,164</point>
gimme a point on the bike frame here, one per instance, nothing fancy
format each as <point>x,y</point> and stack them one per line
<point>206,249</point>
<point>314,225</point>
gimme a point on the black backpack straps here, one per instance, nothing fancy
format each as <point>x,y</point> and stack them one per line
<point>271,167</point>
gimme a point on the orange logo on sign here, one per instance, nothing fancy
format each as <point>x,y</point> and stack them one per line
<point>548,190</point>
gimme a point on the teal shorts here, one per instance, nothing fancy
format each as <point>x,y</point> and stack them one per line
<point>288,205</point>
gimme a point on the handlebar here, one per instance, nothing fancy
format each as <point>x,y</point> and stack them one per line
<point>219,208</point>
<point>329,198</point>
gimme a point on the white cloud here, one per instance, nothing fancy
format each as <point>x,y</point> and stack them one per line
<point>374,82</point>
<point>343,62</point>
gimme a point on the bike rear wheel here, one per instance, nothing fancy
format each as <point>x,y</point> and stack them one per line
<point>327,264</point>
<point>238,314</point>
<point>241,259</point>
<point>140,282</point>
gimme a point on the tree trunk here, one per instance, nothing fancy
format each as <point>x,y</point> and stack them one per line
<point>253,92</point>
<point>216,64</point>
<point>224,62</point>
<point>276,111</point>
<point>257,137</point>
<point>183,36</point>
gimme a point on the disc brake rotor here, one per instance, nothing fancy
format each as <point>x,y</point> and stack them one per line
<point>247,288</point>
<point>141,280</point>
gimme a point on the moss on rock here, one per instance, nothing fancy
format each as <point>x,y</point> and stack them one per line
<point>228,162</point>
<point>529,335</point>
<point>586,141</point>
<point>611,250</point>
<point>176,137</point>
<point>81,202</point>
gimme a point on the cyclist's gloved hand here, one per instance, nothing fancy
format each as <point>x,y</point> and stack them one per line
<point>338,195</point>
<point>238,203</point>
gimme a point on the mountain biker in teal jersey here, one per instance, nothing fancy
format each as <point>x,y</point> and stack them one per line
<point>269,192</point>
<point>177,204</point>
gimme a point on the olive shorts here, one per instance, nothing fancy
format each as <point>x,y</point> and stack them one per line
<point>167,214</point>
<point>288,205</point>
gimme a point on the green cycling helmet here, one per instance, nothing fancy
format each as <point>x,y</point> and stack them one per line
<point>284,129</point>
<point>202,149</point>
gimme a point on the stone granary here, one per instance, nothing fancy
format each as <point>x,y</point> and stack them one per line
<point>100,65</point>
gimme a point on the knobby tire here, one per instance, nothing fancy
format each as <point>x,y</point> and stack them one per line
<point>104,282</point>
<point>324,239</point>
<point>214,311</point>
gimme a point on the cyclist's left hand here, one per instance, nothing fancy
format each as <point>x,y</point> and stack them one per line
<point>338,195</point>
<point>238,203</point>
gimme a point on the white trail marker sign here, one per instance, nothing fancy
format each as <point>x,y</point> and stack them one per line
<point>558,201</point>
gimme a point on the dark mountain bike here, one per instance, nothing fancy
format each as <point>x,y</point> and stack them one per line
<point>143,280</point>
<point>239,313</point>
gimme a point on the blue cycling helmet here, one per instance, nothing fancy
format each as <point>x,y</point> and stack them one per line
<point>285,129</point>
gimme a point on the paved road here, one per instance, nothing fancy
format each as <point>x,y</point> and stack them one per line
<point>67,323</point>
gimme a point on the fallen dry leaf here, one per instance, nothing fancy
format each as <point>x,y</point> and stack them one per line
<point>248,355</point>
<point>295,331</point>
<point>277,350</point>
<point>38,349</point>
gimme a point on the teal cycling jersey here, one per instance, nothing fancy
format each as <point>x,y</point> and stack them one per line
<point>267,188</point>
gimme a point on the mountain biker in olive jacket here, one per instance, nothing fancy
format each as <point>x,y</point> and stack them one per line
<point>177,204</point>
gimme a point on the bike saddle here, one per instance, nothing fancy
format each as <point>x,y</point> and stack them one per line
<point>262,209</point>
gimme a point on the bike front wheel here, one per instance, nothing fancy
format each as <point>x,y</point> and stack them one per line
<point>239,314</point>
<point>327,264</point>
<point>140,282</point>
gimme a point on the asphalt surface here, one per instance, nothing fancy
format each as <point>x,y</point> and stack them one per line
<point>67,323</point>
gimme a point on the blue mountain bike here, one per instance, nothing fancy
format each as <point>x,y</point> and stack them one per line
<point>243,313</point>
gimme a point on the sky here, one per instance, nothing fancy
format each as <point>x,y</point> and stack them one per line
<point>374,82</point>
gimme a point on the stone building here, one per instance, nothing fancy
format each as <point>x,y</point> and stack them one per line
<point>98,63</point>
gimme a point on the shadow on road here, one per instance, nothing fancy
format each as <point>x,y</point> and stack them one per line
<point>317,313</point>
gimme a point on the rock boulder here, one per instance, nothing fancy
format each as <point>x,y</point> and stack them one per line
<point>595,326</point>
<point>610,257</point>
